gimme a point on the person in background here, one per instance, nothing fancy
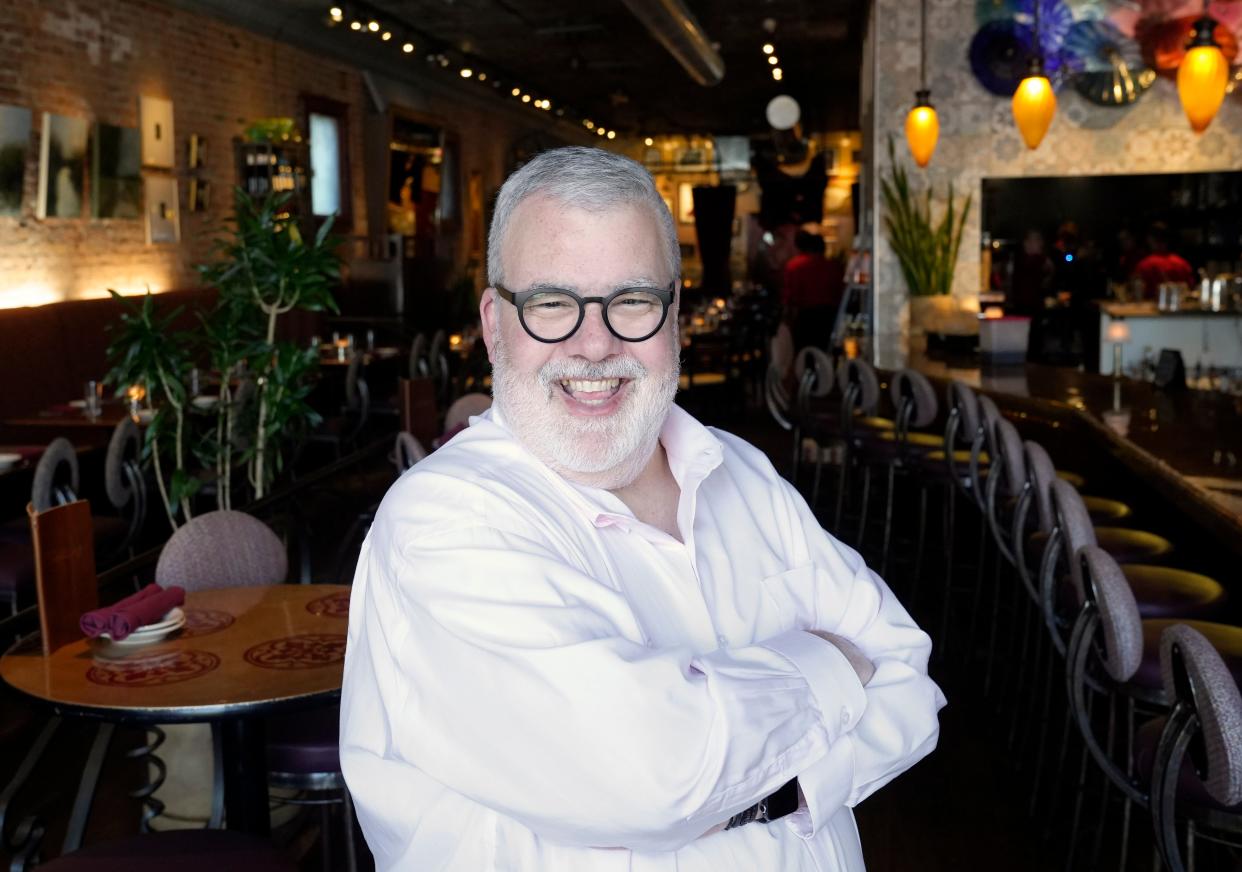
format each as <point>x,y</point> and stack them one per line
<point>811,291</point>
<point>1162,265</point>
<point>1129,255</point>
<point>1032,277</point>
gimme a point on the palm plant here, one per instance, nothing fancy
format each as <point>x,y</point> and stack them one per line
<point>926,250</point>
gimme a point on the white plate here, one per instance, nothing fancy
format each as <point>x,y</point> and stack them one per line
<point>7,460</point>
<point>149,633</point>
<point>146,416</point>
<point>77,404</point>
<point>205,401</point>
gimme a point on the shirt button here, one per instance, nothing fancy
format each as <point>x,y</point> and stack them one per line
<point>845,717</point>
<point>723,640</point>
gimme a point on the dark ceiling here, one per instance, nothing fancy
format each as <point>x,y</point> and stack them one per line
<point>598,60</point>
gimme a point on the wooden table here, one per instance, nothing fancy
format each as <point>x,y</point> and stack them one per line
<point>244,653</point>
<point>70,422</point>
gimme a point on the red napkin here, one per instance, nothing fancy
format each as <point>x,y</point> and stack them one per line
<point>122,618</point>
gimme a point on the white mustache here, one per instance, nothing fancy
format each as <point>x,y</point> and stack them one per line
<point>555,371</point>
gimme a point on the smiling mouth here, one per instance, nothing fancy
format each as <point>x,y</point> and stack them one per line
<point>592,392</point>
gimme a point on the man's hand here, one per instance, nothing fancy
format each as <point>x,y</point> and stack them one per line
<point>864,667</point>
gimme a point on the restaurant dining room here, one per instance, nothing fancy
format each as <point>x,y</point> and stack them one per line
<point>895,474</point>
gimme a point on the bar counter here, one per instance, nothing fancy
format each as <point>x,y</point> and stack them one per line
<point>1186,445</point>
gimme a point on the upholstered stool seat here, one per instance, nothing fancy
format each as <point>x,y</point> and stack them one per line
<point>179,850</point>
<point>1102,510</point>
<point>1075,480</point>
<point>915,440</point>
<point>1122,544</point>
<point>305,741</point>
<point>1225,638</point>
<point>1190,787</point>
<point>1162,592</point>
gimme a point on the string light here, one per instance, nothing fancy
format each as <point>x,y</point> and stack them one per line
<point>467,72</point>
<point>336,13</point>
<point>773,60</point>
<point>588,124</point>
<point>777,74</point>
<point>408,48</point>
<point>373,26</point>
<point>516,92</point>
<point>355,25</point>
<point>768,48</point>
<point>482,77</point>
<point>648,142</point>
<point>612,134</point>
<point>386,35</point>
<point>526,98</point>
<point>601,131</point>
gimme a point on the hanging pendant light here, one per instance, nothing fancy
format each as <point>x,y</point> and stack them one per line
<point>1034,102</point>
<point>1203,75</point>
<point>922,125</point>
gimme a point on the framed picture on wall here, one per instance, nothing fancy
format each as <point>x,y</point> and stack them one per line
<point>155,118</point>
<point>14,146</point>
<point>62,167</point>
<point>116,176</point>
<point>163,215</point>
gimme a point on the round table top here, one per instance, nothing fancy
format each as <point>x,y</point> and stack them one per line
<point>242,651</point>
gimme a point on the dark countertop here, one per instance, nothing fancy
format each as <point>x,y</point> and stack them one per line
<point>1186,444</point>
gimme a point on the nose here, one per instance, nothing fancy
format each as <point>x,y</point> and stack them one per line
<point>593,340</point>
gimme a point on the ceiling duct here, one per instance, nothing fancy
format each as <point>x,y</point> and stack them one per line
<point>678,31</point>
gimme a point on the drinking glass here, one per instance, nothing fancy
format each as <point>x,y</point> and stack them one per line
<point>91,394</point>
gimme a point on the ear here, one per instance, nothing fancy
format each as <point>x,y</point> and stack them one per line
<point>489,319</point>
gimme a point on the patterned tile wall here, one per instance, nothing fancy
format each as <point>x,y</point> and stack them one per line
<point>978,138</point>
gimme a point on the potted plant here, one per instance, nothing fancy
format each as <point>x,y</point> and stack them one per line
<point>266,270</point>
<point>926,249</point>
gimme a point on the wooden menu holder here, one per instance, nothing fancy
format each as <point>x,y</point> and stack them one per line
<point>64,550</point>
<point>419,415</point>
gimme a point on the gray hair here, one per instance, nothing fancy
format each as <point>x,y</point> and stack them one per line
<point>585,178</point>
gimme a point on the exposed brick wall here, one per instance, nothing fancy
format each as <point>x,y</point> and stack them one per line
<point>93,60</point>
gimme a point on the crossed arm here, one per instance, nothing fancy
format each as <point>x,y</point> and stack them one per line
<point>531,698</point>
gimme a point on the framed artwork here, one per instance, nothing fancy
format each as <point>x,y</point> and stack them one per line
<point>198,195</point>
<point>155,118</point>
<point>62,166</point>
<point>14,146</point>
<point>196,152</point>
<point>685,203</point>
<point>116,172</point>
<point>163,217</point>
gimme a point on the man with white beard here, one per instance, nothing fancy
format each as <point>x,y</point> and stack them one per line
<point>590,633</point>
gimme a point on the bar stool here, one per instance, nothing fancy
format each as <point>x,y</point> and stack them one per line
<point>1113,651</point>
<point>915,402</point>
<point>816,379</point>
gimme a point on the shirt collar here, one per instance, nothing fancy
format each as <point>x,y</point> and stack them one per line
<point>693,453</point>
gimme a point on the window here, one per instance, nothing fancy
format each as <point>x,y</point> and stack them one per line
<point>327,125</point>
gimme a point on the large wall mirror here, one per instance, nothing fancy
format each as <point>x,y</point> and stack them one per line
<point>424,187</point>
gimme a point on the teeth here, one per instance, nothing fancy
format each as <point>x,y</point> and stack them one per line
<point>581,386</point>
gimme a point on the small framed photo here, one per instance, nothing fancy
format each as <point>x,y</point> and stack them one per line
<point>163,215</point>
<point>155,118</point>
<point>198,195</point>
<point>196,152</point>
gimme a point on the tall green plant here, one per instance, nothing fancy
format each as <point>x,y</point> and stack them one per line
<point>145,352</point>
<point>266,270</point>
<point>926,250</point>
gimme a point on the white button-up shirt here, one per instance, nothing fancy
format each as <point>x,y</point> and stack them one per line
<point>536,680</point>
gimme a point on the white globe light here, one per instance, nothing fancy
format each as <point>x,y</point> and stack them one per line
<point>783,112</point>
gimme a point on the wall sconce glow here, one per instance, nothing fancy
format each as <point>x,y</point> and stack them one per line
<point>922,129</point>
<point>768,48</point>
<point>467,72</point>
<point>1034,104</point>
<point>1203,76</point>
